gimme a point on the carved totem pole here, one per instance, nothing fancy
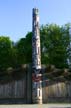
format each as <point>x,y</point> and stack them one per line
<point>36,60</point>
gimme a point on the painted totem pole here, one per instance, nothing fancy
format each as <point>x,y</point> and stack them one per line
<point>36,60</point>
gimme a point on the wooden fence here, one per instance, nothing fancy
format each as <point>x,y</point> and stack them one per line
<point>57,92</point>
<point>20,91</point>
<point>17,90</point>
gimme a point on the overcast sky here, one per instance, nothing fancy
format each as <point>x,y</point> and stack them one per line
<point>16,15</point>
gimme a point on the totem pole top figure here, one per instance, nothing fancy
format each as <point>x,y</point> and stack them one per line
<point>36,11</point>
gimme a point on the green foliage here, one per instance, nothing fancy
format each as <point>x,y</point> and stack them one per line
<point>55,45</point>
<point>24,49</point>
<point>5,52</point>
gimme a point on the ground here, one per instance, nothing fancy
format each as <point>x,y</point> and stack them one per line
<point>37,106</point>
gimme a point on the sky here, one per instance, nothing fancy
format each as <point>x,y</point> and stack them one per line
<point>16,15</point>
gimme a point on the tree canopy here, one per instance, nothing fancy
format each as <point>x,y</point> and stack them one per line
<point>5,52</point>
<point>55,47</point>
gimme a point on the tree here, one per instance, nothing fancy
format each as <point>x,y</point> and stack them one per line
<point>24,49</point>
<point>55,45</point>
<point>5,52</point>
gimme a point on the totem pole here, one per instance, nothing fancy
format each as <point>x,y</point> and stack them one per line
<point>36,60</point>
